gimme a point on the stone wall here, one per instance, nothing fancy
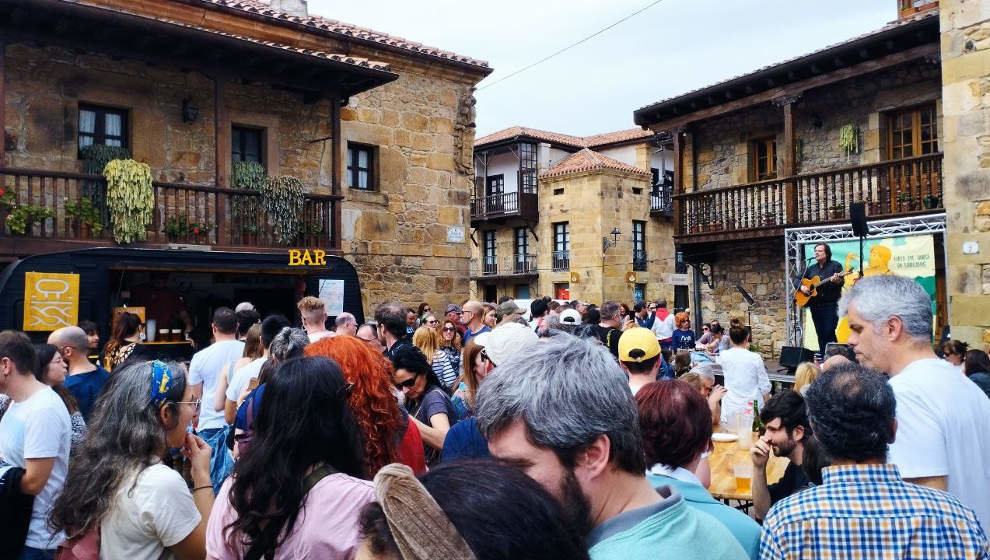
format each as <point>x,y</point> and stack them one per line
<point>721,145</point>
<point>760,269</point>
<point>966,168</point>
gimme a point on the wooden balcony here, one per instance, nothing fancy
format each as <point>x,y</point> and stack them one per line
<point>499,207</point>
<point>763,209</point>
<point>226,219</point>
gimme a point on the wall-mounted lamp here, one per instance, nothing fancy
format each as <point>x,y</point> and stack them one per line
<point>606,244</point>
<point>190,112</point>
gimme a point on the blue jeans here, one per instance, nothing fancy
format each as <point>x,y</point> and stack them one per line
<point>221,463</point>
<point>37,554</point>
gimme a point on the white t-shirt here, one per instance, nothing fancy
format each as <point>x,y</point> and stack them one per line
<point>205,368</point>
<point>313,337</point>
<point>39,428</point>
<point>663,328</point>
<point>746,380</point>
<point>943,428</point>
<point>243,377</point>
<point>156,512</point>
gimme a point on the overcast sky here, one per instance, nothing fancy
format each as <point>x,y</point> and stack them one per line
<point>671,48</point>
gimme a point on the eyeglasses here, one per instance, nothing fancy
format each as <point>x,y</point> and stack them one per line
<point>407,384</point>
<point>449,329</point>
<point>433,321</point>
<point>196,403</point>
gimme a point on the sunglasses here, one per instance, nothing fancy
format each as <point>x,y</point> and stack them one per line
<point>196,403</point>
<point>433,321</point>
<point>407,384</point>
<point>449,329</point>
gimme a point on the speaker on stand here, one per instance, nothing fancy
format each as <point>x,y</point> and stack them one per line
<point>857,212</point>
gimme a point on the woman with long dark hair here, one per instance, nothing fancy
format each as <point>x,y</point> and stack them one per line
<point>125,337</point>
<point>298,493</point>
<point>426,399</point>
<point>372,403</point>
<point>117,484</point>
<point>52,371</point>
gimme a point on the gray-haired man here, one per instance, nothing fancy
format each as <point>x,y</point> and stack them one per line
<point>562,412</point>
<point>943,440</point>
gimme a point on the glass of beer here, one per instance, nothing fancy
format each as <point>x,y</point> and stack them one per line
<point>744,475</point>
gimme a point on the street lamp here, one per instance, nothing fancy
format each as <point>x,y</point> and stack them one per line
<point>606,244</point>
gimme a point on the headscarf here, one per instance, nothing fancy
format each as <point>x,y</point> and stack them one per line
<point>421,529</point>
<point>161,382</point>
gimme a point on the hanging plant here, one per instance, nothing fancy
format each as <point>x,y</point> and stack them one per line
<point>849,139</point>
<point>95,159</point>
<point>249,176</point>
<point>283,200</point>
<point>131,199</point>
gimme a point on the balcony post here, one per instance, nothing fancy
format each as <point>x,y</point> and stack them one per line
<point>337,173</point>
<point>678,135</point>
<point>3,104</point>
<point>222,156</point>
<point>787,157</point>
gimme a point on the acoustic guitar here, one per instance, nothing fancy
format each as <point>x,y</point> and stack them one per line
<point>812,283</point>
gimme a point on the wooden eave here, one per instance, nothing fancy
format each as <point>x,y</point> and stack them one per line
<point>121,35</point>
<point>900,43</point>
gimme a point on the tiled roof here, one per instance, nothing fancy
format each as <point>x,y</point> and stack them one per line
<point>588,160</point>
<point>564,139</point>
<point>334,26</point>
<point>346,59</point>
<point>892,25</point>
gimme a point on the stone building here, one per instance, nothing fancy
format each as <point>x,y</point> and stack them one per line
<point>794,145</point>
<point>572,217</point>
<point>378,129</point>
<point>966,110</point>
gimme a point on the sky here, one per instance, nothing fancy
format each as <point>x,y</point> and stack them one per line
<point>671,48</point>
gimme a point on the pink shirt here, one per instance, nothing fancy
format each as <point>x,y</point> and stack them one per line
<point>327,526</point>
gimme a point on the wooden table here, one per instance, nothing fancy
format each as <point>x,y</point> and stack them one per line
<point>725,455</point>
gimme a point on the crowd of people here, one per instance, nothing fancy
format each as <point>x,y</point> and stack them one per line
<point>492,431</point>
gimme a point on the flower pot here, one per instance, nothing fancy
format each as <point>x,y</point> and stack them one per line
<point>930,202</point>
<point>835,214</point>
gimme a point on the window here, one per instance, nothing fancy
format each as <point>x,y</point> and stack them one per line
<point>639,292</point>
<point>913,132</point>
<point>655,176</point>
<point>102,125</point>
<point>522,241</point>
<point>561,290</point>
<point>561,246</point>
<point>490,266</point>
<point>245,144</point>
<point>527,168</point>
<point>639,245</point>
<point>524,263</point>
<point>496,185</point>
<point>522,291</point>
<point>361,166</point>
<point>763,159</point>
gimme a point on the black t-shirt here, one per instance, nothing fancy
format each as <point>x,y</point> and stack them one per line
<point>609,337</point>
<point>828,292</point>
<point>793,480</point>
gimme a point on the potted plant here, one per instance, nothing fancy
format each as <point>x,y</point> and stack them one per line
<point>6,204</point>
<point>904,201</point>
<point>200,233</point>
<point>849,139</point>
<point>22,218</point>
<point>931,201</point>
<point>85,217</point>
<point>836,212</point>
<point>282,198</point>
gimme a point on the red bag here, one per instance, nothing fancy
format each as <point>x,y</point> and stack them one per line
<point>83,547</point>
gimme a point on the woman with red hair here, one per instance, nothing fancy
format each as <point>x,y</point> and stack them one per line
<point>389,434</point>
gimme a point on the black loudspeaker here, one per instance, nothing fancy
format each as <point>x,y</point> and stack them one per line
<point>791,356</point>
<point>857,211</point>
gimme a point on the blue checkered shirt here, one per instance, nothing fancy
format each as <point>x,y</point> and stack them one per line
<point>867,511</point>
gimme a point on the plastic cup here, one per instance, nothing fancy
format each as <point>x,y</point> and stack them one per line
<point>176,335</point>
<point>744,476</point>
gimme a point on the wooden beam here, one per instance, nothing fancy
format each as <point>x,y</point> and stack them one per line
<point>3,102</point>
<point>800,86</point>
<point>336,171</point>
<point>787,163</point>
<point>678,177</point>
<point>221,128</point>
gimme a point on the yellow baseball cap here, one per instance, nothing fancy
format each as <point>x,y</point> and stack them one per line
<point>638,345</point>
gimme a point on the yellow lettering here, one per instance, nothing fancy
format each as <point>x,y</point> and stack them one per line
<point>321,257</point>
<point>307,258</point>
<point>294,257</point>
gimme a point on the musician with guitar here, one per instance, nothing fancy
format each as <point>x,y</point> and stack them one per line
<point>824,298</point>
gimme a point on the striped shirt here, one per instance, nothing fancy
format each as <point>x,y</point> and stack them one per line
<point>867,511</point>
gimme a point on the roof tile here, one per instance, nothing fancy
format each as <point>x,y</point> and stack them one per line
<point>588,160</point>
<point>334,26</point>
<point>564,139</point>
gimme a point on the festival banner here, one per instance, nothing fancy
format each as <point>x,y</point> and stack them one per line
<point>51,301</point>
<point>912,256</point>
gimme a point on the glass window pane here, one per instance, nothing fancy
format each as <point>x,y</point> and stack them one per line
<point>113,126</point>
<point>110,142</point>
<point>85,140</point>
<point>362,179</point>
<point>363,159</point>
<point>87,122</point>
